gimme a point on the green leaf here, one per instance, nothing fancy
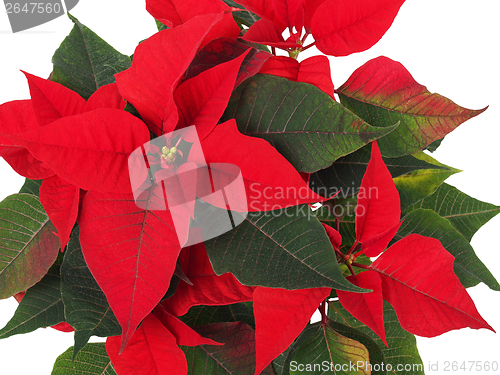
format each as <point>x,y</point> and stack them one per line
<point>202,315</point>
<point>160,26</point>
<point>84,62</point>
<point>304,124</point>
<point>467,266</point>
<point>382,92</point>
<point>465,213</point>
<point>417,185</point>
<point>28,244</point>
<point>235,357</point>
<point>285,248</point>
<point>85,305</point>
<point>329,351</point>
<point>345,175</point>
<point>31,187</point>
<point>41,306</point>
<point>402,348</point>
<point>91,360</point>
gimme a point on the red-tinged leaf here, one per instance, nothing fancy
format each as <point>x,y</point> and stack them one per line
<point>63,327</point>
<point>52,101</point>
<point>184,334</point>
<point>176,12</point>
<point>289,12</point>
<point>280,316</point>
<point>378,208</point>
<point>342,27</point>
<point>203,99</point>
<point>419,282</point>
<point>60,200</point>
<point>385,92</point>
<point>90,150</point>
<point>131,252</point>
<point>264,187</point>
<point>26,165</point>
<point>208,288</point>
<point>267,32</point>
<point>316,71</point>
<point>333,235</point>
<point>159,63</point>
<point>151,351</point>
<point>282,66</point>
<point>106,96</point>
<point>368,308</point>
<point>222,50</point>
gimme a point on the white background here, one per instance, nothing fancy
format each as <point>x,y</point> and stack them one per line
<point>451,46</point>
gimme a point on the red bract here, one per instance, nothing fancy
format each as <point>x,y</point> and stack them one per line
<point>415,275</point>
<point>378,210</point>
<point>151,344</point>
<point>276,186</point>
<point>314,70</point>
<point>419,282</point>
<point>158,66</point>
<point>131,252</point>
<point>339,27</point>
<point>208,288</point>
<point>280,316</point>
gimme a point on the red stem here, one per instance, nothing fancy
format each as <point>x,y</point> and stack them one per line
<point>351,269</point>
<point>322,310</point>
<point>309,46</point>
<point>273,51</point>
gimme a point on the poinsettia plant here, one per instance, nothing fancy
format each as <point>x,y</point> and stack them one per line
<point>198,202</point>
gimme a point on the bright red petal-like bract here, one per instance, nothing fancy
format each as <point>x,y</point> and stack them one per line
<point>60,200</point>
<point>333,235</point>
<point>271,182</point>
<point>267,32</point>
<point>378,209</point>
<point>131,252</point>
<point>419,282</point>
<point>176,12</point>
<point>18,117</point>
<point>152,350</point>
<point>52,101</point>
<point>98,143</point>
<point>368,308</point>
<point>208,288</point>
<point>281,66</point>
<point>203,99</point>
<point>159,63</point>
<point>342,27</point>
<point>280,316</point>
<point>106,96</point>
<point>184,334</point>
<point>289,12</point>
<point>314,70</point>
